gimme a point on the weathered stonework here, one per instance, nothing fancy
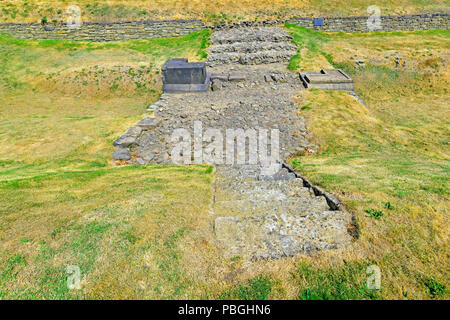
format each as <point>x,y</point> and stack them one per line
<point>327,79</point>
<point>134,30</point>
<point>179,75</point>
<point>103,31</point>
<point>388,23</point>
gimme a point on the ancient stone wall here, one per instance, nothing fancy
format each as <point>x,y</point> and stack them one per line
<point>388,23</point>
<point>132,30</point>
<point>103,31</point>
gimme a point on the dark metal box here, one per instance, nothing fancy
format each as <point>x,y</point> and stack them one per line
<point>179,75</point>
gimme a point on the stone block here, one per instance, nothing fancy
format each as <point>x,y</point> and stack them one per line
<point>125,141</point>
<point>219,76</point>
<point>147,123</point>
<point>134,131</point>
<point>181,76</point>
<point>180,71</point>
<point>236,77</point>
<point>121,154</point>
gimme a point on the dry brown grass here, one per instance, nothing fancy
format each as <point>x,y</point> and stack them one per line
<point>211,10</point>
<point>63,200</point>
<point>396,152</point>
<point>368,162</point>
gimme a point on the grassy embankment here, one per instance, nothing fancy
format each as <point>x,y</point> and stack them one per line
<point>391,156</point>
<point>207,10</point>
<point>63,201</point>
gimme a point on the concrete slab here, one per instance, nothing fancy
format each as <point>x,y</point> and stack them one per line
<point>327,79</point>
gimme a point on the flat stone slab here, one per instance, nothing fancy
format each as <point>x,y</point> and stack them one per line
<point>279,235</point>
<point>236,77</point>
<point>124,141</point>
<point>327,79</point>
<point>174,88</point>
<point>147,123</point>
<point>121,154</point>
<point>219,76</point>
<point>129,138</point>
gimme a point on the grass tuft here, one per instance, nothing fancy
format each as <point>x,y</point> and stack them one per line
<point>257,289</point>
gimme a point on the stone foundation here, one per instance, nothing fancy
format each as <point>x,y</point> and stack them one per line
<point>133,30</point>
<point>327,79</point>
<point>408,22</point>
<point>103,31</point>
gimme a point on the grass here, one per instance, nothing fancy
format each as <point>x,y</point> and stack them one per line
<point>63,200</point>
<point>341,283</point>
<point>257,289</point>
<point>135,232</point>
<point>387,161</point>
<point>213,11</point>
<point>118,227</point>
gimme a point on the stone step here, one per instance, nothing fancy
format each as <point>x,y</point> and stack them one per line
<point>252,58</point>
<point>250,35</point>
<point>228,189</point>
<point>247,47</point>
<point>242,171</point>
<point>279,235</point>
<point>232,174</point>
<point>294,206</point>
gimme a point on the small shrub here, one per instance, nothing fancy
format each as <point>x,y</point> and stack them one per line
<point>435,288</point>
<point>374,213</point>
<point>306,107</point>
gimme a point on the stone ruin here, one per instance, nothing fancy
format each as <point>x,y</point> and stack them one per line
<point>254,213</point>
<point>327,79</point>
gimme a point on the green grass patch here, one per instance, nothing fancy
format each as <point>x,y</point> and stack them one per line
<point>258,288</point>
<point>344,283</point>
